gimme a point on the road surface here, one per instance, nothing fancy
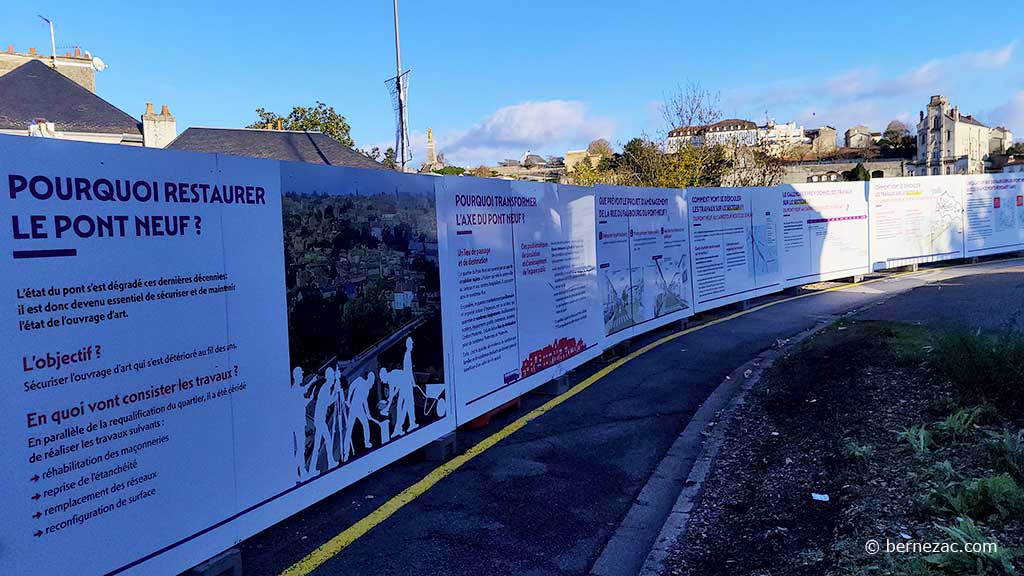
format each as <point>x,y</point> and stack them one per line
<point>546,499</point>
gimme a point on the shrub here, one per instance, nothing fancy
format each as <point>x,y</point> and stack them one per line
<point>991,498</point>
<point>1006,450</point>
<point>919,438</point>
<point>958,425</point>
<point>860,454</point>
<point>983,368</point>
<point>997,562</point>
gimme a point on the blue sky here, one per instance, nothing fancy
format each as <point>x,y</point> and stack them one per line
<point>494,79</point>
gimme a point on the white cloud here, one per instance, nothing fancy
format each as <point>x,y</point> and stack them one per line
<point>867,95</point>
<point>996,58</point>
<point>543,127</point>
<point>1011,115</point>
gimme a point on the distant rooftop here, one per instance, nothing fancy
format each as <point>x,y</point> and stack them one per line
<point>34,90</point>
<point>289,145</point>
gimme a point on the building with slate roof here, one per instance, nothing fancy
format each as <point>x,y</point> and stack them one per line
<point>36,100</point>
<point>289,145</point>
<point>950,142</point>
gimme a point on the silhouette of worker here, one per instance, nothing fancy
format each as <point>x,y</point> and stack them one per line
<point>357,410</point>
<point>299,414</point>
<point>324,435</point>
<point>400,385</point>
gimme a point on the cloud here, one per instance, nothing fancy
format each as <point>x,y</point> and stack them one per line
<point>1011,115</point>
<point>543,127</point>
<point>867,95</point>
<point>861,83</point>
<point>997,58</point>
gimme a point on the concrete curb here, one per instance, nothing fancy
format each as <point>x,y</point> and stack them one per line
<point>661,511</point>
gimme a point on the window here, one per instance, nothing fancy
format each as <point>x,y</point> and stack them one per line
<point>949,135</point>
<point>949,170</point>
<point>935,171</point>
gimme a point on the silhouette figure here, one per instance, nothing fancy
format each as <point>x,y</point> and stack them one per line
<point>324,430</point>
<point>400,392</point>
<point>357,410</point>
<point>299,412</point>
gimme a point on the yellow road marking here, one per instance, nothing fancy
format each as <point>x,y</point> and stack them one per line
<point>335,545</point>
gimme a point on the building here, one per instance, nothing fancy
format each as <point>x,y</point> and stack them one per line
<point>38,100</point>
<point>731,132</point>
<point>737,132</point>
<point>859,137</point>
<point>80,68</point>
<point>782,136</point>
<point>949,142</point>
<point>574,157</point>
<point>289,145</point>
<point>823,140</point>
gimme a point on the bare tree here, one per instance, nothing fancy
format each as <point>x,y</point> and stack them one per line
<point>600,147</point>
<point>691,106</point>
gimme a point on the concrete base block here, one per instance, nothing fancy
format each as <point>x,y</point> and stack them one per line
<point>615,352</point>
<point>684,325</point>
<point>555,387</point>
<point>227,563</point>
<point>442,449</point>
<point>974,260</point>
<point>852,279</point>
<point>907,268</point>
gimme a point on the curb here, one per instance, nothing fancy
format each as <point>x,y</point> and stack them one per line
<point>661,511</point>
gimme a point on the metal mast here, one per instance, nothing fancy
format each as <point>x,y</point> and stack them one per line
<point>403,120</point>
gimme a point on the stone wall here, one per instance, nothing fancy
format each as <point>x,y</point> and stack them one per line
<point>77,66</point>
<point>826,171</point>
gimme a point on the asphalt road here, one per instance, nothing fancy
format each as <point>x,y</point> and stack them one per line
<point>546,499</point>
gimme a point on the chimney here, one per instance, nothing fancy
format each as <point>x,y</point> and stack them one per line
<point>158,130</point>
<point>10,48</point>
<point>78,52</point>
<point>32,51</point>
<point>280,123</point>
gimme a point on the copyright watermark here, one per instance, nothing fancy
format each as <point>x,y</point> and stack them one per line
<point>873,547</point>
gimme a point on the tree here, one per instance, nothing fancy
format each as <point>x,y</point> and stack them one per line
<point>897,142</point>
<point>390,158</point>
<point>319,118</point>
<point>584,173</point>
<point>599,147</point>
<point>895,131</point>
<point>1016,149</point>
<point>691,106</point>
<point>450,171</point>
<point>481,172</point>
<point>858,174</point>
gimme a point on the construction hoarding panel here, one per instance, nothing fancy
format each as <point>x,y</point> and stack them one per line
<point>643,259</point>
<point>994,206</point>
<point>825,232</point>
<point>916,220</point>
<point>520,285</point>
<point>146,318</point>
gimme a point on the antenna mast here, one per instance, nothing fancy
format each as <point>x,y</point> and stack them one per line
<point>401,85</point>
<point>53,41</point>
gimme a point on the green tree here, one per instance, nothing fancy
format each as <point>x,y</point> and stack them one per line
<point>451,171</point>
<point>390,158</point>
<point>584,173</point>
<point>319,118</point>
<point>1017,148</point>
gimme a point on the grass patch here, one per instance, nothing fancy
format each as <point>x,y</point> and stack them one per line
<point>983,368</point>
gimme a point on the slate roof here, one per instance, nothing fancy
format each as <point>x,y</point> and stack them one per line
<point>295,146</point>
<point>34,90</point>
